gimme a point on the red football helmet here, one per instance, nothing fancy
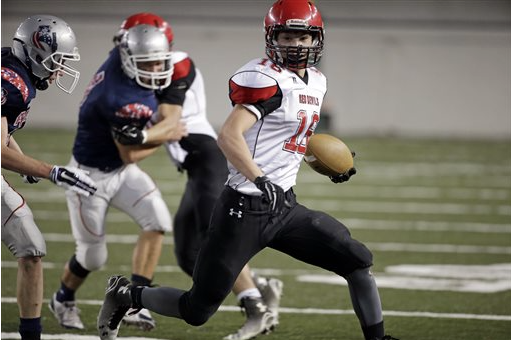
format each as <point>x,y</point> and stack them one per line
<point>145,19</point>
<point>294,15</point>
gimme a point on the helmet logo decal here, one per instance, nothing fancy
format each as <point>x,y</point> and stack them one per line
<point>45,35</point>
<point>298,23</point>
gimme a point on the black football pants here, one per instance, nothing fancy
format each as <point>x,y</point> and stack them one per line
<point>241,226</point>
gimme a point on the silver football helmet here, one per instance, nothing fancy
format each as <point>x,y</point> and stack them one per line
<point>145,44</point>
<point>45,43</point>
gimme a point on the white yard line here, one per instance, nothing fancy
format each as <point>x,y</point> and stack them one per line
<point>67,336</point>
<point>421,208</point>
<point>322,311</point>
<point>352,223</point>
<point>375,246</point>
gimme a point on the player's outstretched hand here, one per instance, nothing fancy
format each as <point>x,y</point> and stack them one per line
<point>344,177</point>
<point>272,193</point>
<point>73,179</point>
<point>30,179</point>
<point>129,135</point>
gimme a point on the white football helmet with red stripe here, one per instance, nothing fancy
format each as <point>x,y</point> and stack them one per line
<point>45,44</point>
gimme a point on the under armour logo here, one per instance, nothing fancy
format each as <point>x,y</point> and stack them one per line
<point>123,290</point>
<point>237,213</point>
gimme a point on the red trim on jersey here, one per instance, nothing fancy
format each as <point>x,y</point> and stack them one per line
<point>249,95</point>
<point>16,81</point>
<point>134,111</point>
<point>181,69</point>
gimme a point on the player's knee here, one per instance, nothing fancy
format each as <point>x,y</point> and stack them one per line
<point>92,256</point>
<point>195,313</point>
<point>363,258</point>
<point>29,262</point>
<point>76,268</point>
<point>197,319</point>
<point>359,275</point>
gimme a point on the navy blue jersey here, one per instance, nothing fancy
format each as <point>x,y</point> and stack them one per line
<point>18,90</point>
<point>111,99</point>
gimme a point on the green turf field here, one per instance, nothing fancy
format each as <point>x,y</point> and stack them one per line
<point>436,214</point>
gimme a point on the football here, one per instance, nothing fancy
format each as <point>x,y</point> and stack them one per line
<point>328,155</point>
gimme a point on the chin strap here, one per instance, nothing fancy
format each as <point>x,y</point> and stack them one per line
<point>40,84</point>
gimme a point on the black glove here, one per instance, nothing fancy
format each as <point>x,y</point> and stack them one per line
<point>129,135</point>
<point>30,179</point>
<point>344,177</point>
<point>272,193</point>
<point>73,179</point>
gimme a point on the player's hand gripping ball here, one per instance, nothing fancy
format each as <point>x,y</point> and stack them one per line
<point>329,156</point>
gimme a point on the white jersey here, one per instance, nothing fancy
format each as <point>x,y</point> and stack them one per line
<point>287,108</point>
<point>187,77</point>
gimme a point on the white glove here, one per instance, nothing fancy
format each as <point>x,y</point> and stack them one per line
<point>73,179</point>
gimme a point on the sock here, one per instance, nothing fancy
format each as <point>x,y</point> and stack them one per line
<point>251,292</point>
<point>139,280</point>
<point>374,331</point>
<point>30,329</point>
<point>65,293</point>
<point>136,296</point>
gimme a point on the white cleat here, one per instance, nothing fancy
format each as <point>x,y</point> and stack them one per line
<point>66,313</point>
<point>259,320</point>
<point>271,290</point>
<point>142,320</point>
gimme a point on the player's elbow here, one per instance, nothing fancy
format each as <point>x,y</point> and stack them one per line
<point>226,140</point>
<point>128,158</point>
<point>222,140</point>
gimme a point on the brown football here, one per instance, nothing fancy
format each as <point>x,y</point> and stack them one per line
<point>328,155</point>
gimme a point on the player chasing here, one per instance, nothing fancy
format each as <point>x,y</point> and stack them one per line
<point>198,155</point>
<point>41,46</point>
<point>121,93</point>
<point>264,139</point>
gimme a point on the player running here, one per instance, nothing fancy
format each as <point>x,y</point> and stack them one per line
<point>264,139</point>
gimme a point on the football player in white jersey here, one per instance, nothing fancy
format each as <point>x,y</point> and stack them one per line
<point>277,102</point>
<point>206,167</point>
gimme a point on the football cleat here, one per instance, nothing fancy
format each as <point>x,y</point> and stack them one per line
<point>271,291</point>
<point>259,319</point>
<point>117,302</point>
<point>142,320</point>
<point>386,337</point>
<point>66,313</point>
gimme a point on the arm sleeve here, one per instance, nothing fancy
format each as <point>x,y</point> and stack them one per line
<point>182,79</point>
<point>256,91</point>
